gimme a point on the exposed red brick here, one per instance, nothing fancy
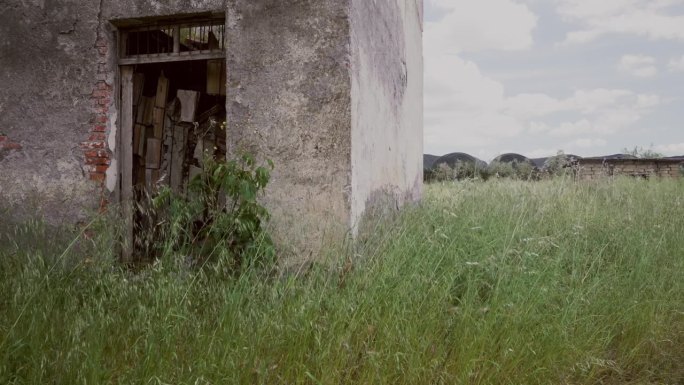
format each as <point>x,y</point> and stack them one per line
<point>93,145</point>
<point>10,145</point>
<point>98,93</point>
<point>96,154</point>
<point>98,161</point>
<point>101,109</point>
<point>97,176</point>
<point>97,136</point>
<point>97,158</point>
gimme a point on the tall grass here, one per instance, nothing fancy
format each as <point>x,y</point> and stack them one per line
<point>484,283</point>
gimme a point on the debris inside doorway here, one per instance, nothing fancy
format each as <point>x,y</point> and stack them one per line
<point>178,116</point>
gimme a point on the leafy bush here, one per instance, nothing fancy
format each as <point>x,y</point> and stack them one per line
<point>513,170</point>
<point>501,170</point>
<point>219,218</point>
<point>645,153</point>
<point>559,165</point>
<point>460,171</point>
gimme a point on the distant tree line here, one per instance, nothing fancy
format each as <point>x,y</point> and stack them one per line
<point>511,166</point>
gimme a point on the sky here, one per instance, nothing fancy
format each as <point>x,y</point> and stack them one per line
<point>588,77</point>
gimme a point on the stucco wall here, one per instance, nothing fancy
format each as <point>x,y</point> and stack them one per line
<point>387,104</point>
<point>57,103</point>
<point>48,68</point>
<point>289,100</point>
<point>330,90</point>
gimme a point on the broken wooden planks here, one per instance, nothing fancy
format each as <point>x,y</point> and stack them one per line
<point>160,105</point>
<point>188,100</point>
<point>216,77</point>
<point>153,156</point>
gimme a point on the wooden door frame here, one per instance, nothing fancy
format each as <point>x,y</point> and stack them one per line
<point>126,158</point>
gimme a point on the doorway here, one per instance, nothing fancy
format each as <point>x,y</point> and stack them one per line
<point>172,82</point>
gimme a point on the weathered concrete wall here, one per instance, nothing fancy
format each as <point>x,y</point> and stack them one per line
<point>57,104</point>
<point>588,169</point>
<point>48,66</point>
<point>330,90</point>
<point>133,9</point>
<point>289,100</point>
<point>387,104</point>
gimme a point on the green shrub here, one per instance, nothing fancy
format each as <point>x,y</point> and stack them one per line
<point>220,217</point>
<point>559,165</point>
<point>460,171</point>
<point>645,153</point>
<point>513,170</point>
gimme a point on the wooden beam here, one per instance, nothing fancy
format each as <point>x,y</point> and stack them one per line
<point>153,157</point>
<point>162,91</point>
<point>126,151</point>
<point>170,57</point>
<point>176,39</point>
<point>188,100</point>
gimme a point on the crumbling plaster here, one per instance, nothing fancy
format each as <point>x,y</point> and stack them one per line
<point>387,105</point>
<point>289,100</point>
<point>47,56</point>
<point>330,90</point>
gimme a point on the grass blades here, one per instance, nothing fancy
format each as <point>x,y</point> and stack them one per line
<point>503,282</point>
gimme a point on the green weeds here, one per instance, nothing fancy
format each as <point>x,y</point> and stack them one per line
<point>503,282</point>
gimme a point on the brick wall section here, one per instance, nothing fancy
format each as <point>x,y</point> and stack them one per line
<point>589,169</point>
<point>97,155</point>
<point>7,144</point>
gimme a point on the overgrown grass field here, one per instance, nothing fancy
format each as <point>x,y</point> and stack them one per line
<point>503,282</point>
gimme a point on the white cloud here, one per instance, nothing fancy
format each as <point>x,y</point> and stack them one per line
<point>585,102</point>
<point>641,66</point>
<point>475,26</point>
<point>599,125</point>
<point>671,149</point>
<point>647,18</point>
<point>463,107</point>
<point>542,152</point>
<point>589,142</point>
<point>466,110</point>
<point>676,65</point>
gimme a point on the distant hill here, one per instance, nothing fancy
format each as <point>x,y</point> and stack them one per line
<point>429,160</point>
<point>539,162</point>
<point>455,157</point>
<point>614,156</point>
<point>513,157</point>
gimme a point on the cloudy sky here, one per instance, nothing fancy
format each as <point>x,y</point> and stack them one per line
<point>589,77</point>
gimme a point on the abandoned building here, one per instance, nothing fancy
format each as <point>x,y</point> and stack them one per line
<point>102,98</point>
<point>602,167</point>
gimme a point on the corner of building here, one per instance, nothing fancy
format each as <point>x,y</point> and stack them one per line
<point>387,105</point>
